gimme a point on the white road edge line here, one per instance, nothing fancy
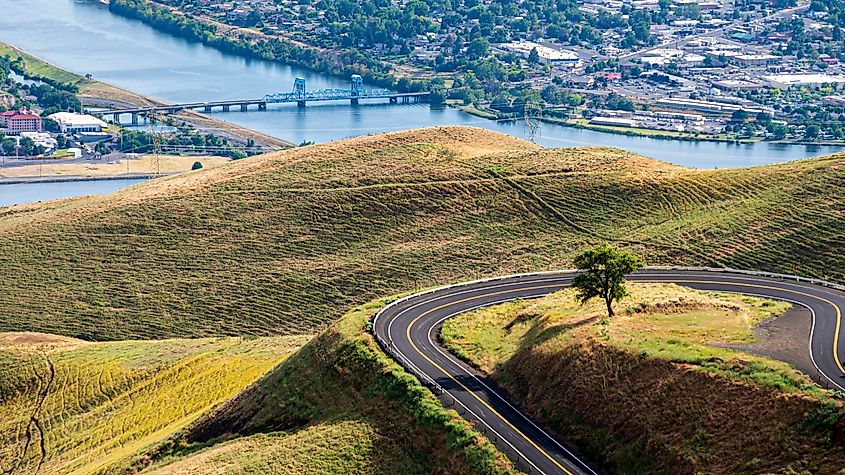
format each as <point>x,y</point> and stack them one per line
<point>451,358</point>
<point>561,274</point>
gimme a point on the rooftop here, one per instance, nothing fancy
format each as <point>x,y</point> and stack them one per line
<point>793,79</point>
<point>73,119</point>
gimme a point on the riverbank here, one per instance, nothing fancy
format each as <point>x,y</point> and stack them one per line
<point>251,43</point>
<point>39,171</point>
<point>96,93</point>
<point>28,180</point>
<point>650,133</point>
<point>629,132</point>
<point>583,124</point>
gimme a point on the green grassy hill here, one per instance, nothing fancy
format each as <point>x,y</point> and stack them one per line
<point>283,244</point>
<point>339,405</point>
<point>655,389</point>
<point>69,406</point>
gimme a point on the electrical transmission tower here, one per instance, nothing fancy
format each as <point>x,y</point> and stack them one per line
<point>155,168</point>
<point>533,113</point>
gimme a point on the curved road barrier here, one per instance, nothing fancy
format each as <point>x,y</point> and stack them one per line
<point>407,328</point>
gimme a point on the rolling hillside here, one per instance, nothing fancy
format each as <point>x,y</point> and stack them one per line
<point>225,271</point>
<point>283,244</point>
<point>660,387</point>
<point>70,406</point>
<point>339,405</point>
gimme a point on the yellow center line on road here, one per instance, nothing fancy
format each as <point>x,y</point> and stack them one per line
<point>509,424</point>
<point>482,401</point>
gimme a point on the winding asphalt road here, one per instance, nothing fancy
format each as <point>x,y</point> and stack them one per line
<point>407,329</point>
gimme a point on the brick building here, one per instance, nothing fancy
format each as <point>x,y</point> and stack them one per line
<point>20,121</point>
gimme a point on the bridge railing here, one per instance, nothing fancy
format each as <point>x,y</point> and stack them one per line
<point>328,94</point>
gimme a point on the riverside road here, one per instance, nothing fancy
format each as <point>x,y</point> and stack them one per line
<point>407,328</point>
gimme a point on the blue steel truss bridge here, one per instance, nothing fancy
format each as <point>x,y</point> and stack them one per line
<point>299,95</point>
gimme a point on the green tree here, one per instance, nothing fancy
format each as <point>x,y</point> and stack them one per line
<point>196,166</point>
<point>478,48</point>
<point>534,56</point>
<point>604,270</point>
<point>779,131</point>
<point>690,11</point>
<point>8,146</point>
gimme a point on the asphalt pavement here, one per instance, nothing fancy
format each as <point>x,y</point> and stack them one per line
<point>408,327</point>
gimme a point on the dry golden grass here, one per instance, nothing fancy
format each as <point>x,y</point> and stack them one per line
<point>647,392</point>
<point>69,406</point>
<point>328,448</point>
<point>339,405</point>
<point>664,321</point>
<point>94,168</point>
<point>282,243</point>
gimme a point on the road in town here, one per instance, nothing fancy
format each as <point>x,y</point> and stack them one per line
<point>408,330</point>
<point>718,32</point>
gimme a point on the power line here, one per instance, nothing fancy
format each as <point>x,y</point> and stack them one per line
<point>156,143</point>
<point>533,113</point>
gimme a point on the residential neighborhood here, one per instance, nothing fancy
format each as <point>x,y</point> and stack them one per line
<point>776,62</point>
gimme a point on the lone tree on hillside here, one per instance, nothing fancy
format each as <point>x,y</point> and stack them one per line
<point>605,268</point>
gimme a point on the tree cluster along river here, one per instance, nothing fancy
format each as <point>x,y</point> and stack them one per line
<point>84,37</point>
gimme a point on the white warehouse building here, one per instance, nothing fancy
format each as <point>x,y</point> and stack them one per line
<point>547,55</point>
<point>72,123</point>
<point>787,81</point>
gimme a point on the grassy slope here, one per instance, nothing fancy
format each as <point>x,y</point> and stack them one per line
<point>282,244</point>
<point>40,68</point>
<point>333,447</point>
<point>67,406</point>
<point>143,164</point>
<point>646,391</point>
<point>339,405</point>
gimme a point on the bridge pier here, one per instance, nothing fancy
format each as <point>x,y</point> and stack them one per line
<point>207,108</point>
<point>116,119</point>
<point>300,103</point>
<point>134,118</point>
<point>393,99</point>
<point>262,106</point>
<point>354,101</point>
<point>225,108</point>
<point>243,107</point>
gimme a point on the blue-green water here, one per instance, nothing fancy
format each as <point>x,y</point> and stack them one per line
<point>86,38</point>
<point>31,192</point>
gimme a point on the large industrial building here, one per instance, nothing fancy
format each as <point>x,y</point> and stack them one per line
<point>788,81</point>
<point>72,123</point>
<point>546,54</point>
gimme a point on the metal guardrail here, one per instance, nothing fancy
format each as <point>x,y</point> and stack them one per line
<point>426,380</point>
<point>771,275</point>
<point>450,401</point>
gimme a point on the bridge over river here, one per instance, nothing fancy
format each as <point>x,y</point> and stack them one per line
<point>299,95</point>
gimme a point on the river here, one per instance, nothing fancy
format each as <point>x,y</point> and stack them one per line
<point>85,38</point>
<point>16,193</point>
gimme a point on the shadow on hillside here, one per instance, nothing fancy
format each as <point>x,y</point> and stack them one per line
<point>332,379</point>
<point>540,333</point>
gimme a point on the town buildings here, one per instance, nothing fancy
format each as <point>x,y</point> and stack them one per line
<point>17,121</point>
<point>72,123</point>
